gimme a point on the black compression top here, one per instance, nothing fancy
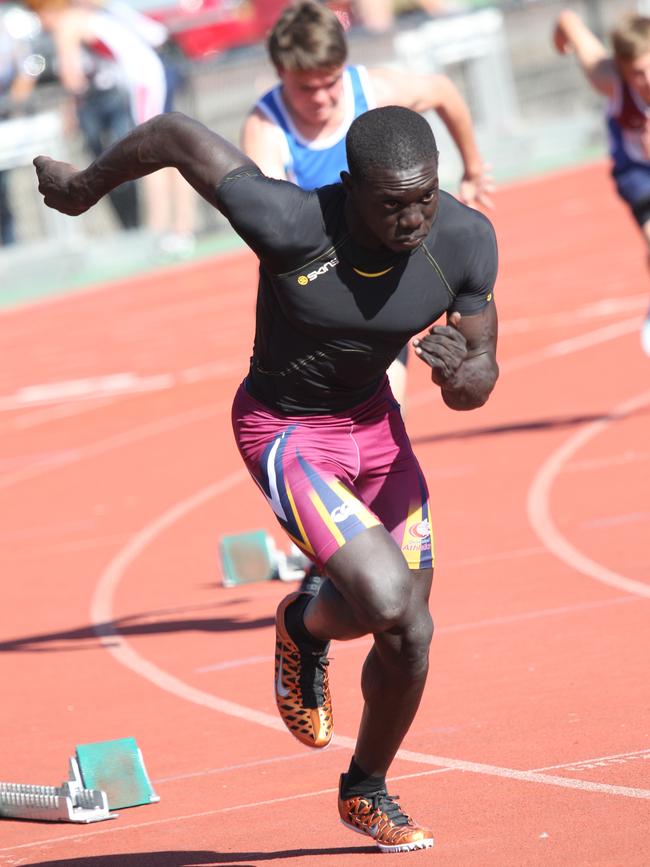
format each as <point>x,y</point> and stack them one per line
<point>332,316</point>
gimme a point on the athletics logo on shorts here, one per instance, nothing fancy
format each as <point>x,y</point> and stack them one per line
<point>420,530</point>
<point>345,510</point>
<point>417,539</point>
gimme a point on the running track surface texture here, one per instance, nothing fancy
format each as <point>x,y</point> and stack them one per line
<point>118,476</point>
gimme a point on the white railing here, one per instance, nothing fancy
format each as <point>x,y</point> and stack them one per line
<point>23,138</point>
<point>477,41</point>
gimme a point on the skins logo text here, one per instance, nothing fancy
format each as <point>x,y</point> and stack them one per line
<point>304,279</point>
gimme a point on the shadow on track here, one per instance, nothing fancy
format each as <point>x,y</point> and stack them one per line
<point>151,623</point>
<point>201,859</point>
<point>518,427</point>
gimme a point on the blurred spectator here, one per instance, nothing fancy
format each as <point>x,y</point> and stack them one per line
<point>94,67</point>
<point>107,59</point>
<point>172,202</point>
<point>379,15</point>
<point>16,86</point>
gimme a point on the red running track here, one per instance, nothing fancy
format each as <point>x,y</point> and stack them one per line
<point>118,475</point>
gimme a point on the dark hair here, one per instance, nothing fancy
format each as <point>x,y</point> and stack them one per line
<point>307,36</point>
<point>391,137</point>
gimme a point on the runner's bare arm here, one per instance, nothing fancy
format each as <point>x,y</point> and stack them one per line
<point>260,140</point>
<point>571,34</point>
<point>69,35</point>
<point>462,357</point>
<point>203,157</point>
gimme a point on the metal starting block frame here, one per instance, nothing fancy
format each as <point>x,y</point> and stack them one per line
<point>69,802</point>
<point>254,556</point>
<point>102,776</point>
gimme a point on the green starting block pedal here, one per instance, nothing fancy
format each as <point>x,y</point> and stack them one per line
<point>116,768</point>
<point>253,556</point>
<point>247,558</point>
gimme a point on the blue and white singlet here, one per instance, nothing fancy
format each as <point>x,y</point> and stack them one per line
<point>312,164</point>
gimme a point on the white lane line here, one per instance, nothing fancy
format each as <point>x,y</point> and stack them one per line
<point>512,774</point>
<point>588,764</point>
<point>593,310</point>
<point>66,458</point>
<point>546,353</point>
<point>617,520</point>
<point>534,615</point>
<point>601,761</point>
<point>573,344</point>
<point>233,663</point>
<point>102,617</point>
<point>94,830</point>
<point>302,756</point>
<point>227,367</point>
<point>113,385</point>
<point>83,389</point>
<point>539,503</point>
<point>629,456</point>
<point>127,383</point>
<point>63,459</point>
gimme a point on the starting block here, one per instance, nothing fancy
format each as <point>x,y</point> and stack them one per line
<point>69,802</point>
<point>116,768</point>
<point>103,776</point>
<point>254,556</point>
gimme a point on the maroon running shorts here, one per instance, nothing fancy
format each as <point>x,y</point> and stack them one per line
<point>329,477</point>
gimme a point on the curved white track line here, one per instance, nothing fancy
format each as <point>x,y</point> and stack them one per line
<point>539,511</point>
<point>102,618</point>
<point>101,608</point>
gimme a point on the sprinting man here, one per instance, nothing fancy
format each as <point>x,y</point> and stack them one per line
<point>348,274</point>
<point>296,131</point>
<point>624,78</point>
